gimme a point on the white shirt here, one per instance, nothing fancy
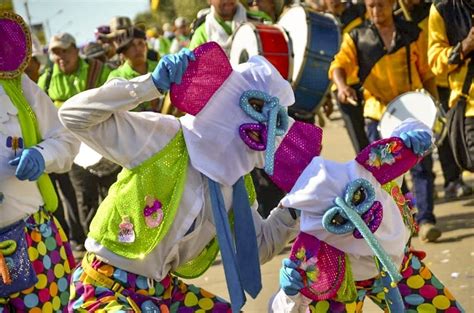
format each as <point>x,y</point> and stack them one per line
<point>100,118</point>
<point>58,148</point>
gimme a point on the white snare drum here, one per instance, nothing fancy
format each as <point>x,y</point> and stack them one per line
<point>269,41</point>
<point>414,104</point>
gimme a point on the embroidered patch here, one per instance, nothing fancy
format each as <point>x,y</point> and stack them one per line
<point>15,143</point>
<point>385,154</point>
<point>126,232</point>
<point>307,264</point>
<point>153,212</point>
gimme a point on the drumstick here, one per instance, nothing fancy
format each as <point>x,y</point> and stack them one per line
<point>351,100</point>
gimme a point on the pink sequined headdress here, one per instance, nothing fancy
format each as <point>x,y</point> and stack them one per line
<point>211,92</point>
<point>15,45</point>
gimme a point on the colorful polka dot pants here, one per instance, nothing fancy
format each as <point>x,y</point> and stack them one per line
<point>99,287</point>
<point>421,292</point>
<point>52,260</point>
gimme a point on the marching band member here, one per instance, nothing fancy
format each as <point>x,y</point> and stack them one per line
<point>389,60</point>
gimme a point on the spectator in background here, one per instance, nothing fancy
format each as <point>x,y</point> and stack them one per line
<point>69,76</point>
<point>37,61</point>
<point>223,19</point>
<point>131,44</point>
<point>95,51</point>
<point>102,34</point>
<point>181,39</point>
<point>265,10</point>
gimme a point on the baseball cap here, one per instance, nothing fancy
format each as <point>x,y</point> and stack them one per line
<point>180,22</point>
<point>61,40</point>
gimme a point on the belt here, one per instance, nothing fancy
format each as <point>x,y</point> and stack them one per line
<point>106,282</point>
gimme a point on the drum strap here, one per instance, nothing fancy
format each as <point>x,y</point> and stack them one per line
<point>408,50</point>
<point>468,80</point>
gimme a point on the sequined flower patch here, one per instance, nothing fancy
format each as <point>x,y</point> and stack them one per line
<point>385,154</point>
<point>153,212</point>
<point>307,264</point>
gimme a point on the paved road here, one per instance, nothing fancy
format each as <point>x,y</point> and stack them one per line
<point>451,259</point>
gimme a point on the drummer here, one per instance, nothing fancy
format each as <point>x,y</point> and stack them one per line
<point>387,57</point>
<point>224,17</point>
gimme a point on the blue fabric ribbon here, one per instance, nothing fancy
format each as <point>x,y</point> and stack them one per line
<point>241,262</point>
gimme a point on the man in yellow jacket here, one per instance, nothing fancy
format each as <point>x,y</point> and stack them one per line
<point>387,57</point>
<point>451,52</point>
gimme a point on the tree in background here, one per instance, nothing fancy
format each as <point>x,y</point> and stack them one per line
<point>168,10</point>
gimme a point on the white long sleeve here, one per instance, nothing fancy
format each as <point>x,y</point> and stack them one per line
<point>58,146</point>
<point>100,118</point>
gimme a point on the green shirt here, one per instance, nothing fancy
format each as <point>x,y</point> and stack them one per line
<point>127,72</point>
<point>63,86</point>
<point>200,36</point>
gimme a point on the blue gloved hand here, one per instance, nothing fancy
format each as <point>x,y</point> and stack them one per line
<point>171,69</point>
<point>291,281</point>
<point>29,165</point>
<point>418,141</point>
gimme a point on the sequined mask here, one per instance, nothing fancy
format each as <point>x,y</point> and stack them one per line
<point>272,121</point>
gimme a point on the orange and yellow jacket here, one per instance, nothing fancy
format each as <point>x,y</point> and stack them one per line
<point>442,41</point>
<point>382,72</point>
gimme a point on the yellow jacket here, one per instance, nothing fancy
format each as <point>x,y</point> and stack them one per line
<point>383,74</point>
<point>439,51</point>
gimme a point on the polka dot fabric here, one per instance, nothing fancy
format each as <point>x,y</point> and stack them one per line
<point>134,293</point>
<point>52,260</point>
<point>421,292</point>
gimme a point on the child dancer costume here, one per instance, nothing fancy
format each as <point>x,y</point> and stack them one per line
<point>180,179</point>
<point>355,235</point>
<point>35,257</point>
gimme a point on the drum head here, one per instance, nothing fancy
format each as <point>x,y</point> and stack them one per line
<point>418,105</point>
<point>294,21</point>
<point>245,44</point>
<point>87,156</point>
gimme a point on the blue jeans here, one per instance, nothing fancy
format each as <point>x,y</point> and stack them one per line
<point>422,176</point>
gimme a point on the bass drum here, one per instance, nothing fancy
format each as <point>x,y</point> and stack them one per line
<point>315,39</point>
<point>414,104</point>
<point>269,41</point>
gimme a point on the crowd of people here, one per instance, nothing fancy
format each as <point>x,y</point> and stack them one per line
<point>167,192</point>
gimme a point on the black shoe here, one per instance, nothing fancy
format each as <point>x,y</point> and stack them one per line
<point>457,189</point>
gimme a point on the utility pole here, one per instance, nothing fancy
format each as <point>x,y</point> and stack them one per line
<point>27,10</point>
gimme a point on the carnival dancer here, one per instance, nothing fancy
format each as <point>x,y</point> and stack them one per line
<point>180,179</point>
<point>355,235</point>
<point>35,256</point>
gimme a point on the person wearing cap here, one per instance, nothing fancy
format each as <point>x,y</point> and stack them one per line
<point>180,178</point>
<point>95,51</point>
<point>68,76</point>
<point>38,60</point>
<point>35,255</point>
<point>131,44</point>
<point>181,38</point>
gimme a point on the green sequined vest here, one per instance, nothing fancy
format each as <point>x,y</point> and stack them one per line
<point>161,177</point>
